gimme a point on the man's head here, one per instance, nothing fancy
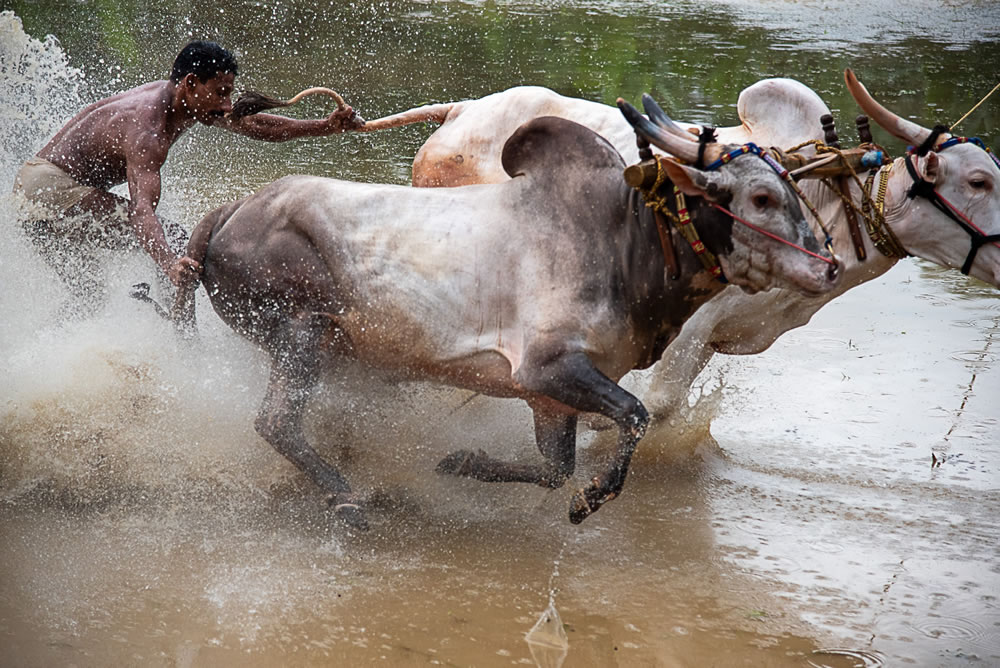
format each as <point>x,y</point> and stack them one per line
<point>204,60</point>
<point>205,72</point>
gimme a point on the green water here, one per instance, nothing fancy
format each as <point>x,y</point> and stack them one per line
<point>926,62</point>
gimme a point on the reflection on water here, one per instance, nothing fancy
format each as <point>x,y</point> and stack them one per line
<point>841,513</point>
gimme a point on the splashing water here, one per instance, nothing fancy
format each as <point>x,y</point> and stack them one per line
<point>92,407</point>
<point>38,92</point>
<point>547,639</point>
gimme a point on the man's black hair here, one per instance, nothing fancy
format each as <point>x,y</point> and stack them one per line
<point>204,60</point>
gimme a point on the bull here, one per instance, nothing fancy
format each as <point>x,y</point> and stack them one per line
<point>548,287</point>
<point>956,228</point>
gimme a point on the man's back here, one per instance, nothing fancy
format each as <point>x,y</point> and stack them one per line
<point>95,145</point>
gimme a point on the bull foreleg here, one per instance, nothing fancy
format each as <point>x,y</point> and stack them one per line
<point>555,435</point>
<point>572,379</point>
<point>294,371</point>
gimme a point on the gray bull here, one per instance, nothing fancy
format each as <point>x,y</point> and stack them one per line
<point>548,287</point>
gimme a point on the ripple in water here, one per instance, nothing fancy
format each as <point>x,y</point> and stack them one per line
<point>954,628</point>
<point>845,658</point>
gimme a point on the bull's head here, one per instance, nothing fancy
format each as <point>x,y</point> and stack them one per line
<point>958,176</point>
<point>775,247</point>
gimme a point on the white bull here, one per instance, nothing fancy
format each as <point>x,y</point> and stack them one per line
<point>774,112</point>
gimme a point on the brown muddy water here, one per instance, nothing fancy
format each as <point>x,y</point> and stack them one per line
<point>832,502</point>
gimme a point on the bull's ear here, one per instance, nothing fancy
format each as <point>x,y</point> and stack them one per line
<point>547,145</point>
<point>695,182</point>
<point>929,167</point>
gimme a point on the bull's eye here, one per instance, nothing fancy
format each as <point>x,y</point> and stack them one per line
<point>762,201</point>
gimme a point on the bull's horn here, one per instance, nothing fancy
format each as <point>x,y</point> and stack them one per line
<point>663,140</point>
<point>898,126</point>
<point>658,116</point>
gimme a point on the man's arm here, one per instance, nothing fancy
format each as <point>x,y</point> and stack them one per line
<point>144,196</point>
<point>270,127</point>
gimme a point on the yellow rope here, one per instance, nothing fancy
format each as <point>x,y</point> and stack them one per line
<point>955,124</point>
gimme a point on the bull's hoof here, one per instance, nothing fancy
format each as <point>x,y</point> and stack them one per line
<point>587,501</point>
<point>351,514</point>
<point>458,462</point>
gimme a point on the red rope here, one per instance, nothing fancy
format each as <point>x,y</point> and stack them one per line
<point>773,236</point>
<point>964,217</point>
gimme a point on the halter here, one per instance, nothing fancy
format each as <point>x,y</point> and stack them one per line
<point>925,189</point>
<point>750,147</point>
<point>682,219</point>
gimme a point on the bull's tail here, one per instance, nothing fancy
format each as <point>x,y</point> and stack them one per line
<point>429,113</point>
<point>182,313</point>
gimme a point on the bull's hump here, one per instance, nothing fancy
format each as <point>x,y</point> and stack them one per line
<point>550,143</point>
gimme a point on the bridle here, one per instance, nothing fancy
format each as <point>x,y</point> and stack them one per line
<point>779,169</point>
<point>682,220</point>
<point>925,189</point>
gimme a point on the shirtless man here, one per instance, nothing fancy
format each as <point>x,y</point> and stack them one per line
<point>125,139</point>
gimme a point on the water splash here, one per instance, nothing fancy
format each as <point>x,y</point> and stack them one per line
<point>110,405</point>
<point>39,90</point>
<point>547,639</point>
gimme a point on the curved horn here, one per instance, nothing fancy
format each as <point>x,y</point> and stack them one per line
<point>898,126</point>
<point>663,140</point>
<point>658,116</point>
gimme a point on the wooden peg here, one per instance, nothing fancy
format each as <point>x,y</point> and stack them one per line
<point>864,130</point>
<point>829,131</point>
<point>645,153</point>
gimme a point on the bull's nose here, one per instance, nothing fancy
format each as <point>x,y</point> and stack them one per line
<point>833,273</point>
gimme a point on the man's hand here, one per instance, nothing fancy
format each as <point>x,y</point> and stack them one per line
<point>184,271</point>
<point>343,120</point>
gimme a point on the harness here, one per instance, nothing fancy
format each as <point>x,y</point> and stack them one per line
<point>873,212</point>
<point>925,189</point>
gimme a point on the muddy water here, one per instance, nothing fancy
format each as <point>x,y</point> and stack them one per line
<point>831,502</point>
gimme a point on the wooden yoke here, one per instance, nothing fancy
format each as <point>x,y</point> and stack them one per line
<point>831,139</point>
<point>823,166</point>
<point>830,162</point>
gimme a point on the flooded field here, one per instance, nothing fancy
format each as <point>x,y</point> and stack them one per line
<point>832,502</point>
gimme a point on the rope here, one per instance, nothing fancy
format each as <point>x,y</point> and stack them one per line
<point>878,231</point>
<point>955,124</point>
<point>681,220</point>
<point>773,236</point>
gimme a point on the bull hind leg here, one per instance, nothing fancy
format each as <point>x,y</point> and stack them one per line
<point>294,372</point>
<point>555,435</point>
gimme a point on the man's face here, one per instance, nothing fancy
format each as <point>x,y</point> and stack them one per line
<point>209,100</point>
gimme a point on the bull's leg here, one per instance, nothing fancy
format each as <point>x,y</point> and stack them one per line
<point>294,371</point>
<point>572,379</point>
<point>555,435</point>
<point>670,379</point>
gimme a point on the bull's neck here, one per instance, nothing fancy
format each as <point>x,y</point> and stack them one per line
<point>658,303</point>
<point>831,208</point>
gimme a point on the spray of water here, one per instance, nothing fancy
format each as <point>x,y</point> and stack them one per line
<point>113,403</point>
<point>547,639</point>
<point>115,406</point>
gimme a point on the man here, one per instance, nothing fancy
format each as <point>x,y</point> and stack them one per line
<point>125,139</point>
